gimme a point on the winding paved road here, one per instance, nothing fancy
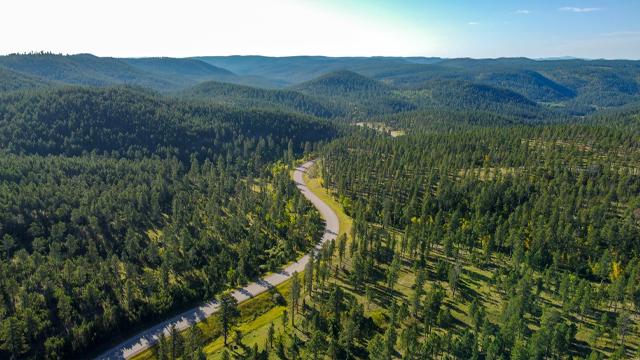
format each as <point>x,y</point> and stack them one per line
<point>147,338</point>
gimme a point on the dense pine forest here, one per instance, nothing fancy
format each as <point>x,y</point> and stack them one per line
<point>489,209</point>
<point>119,206</point>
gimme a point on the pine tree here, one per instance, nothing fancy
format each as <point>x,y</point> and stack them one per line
<point>285,320</point>
<point>308,276</point>
<point>228,314</point>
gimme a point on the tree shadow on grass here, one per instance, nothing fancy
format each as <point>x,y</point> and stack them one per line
<point>465,292</point>
<point>477,277</point>
<point>580,348</point>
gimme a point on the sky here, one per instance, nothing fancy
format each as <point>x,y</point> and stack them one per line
<point>444,28</point>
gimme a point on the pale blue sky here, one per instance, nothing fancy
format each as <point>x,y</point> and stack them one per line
<point>447,28</point>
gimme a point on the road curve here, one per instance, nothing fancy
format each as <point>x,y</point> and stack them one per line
<point>148,337</point>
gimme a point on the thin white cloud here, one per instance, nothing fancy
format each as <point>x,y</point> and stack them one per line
<point>523,12</point>
<point>473,23</point>
<point>580,10</point>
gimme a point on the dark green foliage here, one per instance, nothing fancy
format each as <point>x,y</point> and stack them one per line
<point>342,83</point>
<point>132,123</point>
<point>569,156</point>
<point>580,86</point>
<point>11,80</point>
<point>356,87</point>
<point>358,95</point>
<point>228,315</point>
<point>118,207</point>
<point>82,69</point>
<point>246,96</point>
<point>462,95</point>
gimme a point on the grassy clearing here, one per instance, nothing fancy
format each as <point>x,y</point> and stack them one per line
<point>255,314</point>
<point>381,127</point>
<point>489,173</point>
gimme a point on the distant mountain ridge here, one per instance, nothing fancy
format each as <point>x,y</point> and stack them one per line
<point>350,86</point>
<point>82,69</point>
<point>163,74</point>
<point>297,69</point>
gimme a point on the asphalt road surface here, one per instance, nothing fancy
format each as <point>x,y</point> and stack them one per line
<point>149,337</point>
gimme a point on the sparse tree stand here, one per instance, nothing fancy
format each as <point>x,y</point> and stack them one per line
<point>228,314</point>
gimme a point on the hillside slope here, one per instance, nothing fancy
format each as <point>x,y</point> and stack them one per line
<point>359,95</point>
<point>82,69</point>
<point>246,96</point>
<point>11,80</point>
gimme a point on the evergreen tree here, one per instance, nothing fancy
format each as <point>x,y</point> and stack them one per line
<point>228,314</point>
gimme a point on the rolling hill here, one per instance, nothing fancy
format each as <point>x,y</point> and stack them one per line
<point>359,95</point>
<point>350,86</point>
<point>246,96</point>
<point>342,83</point>
<point>296,69</point>
<point>82,69</point>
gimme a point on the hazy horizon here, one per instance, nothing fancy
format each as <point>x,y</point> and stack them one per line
<point>549,58</point>
<point>352,28</point>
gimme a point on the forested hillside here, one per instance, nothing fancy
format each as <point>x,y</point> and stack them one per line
<point>353,88</point>
<point>577,86</point>
<point>358,95</point>
<point>246,96</point>
<point>162,74</point>
<point>118,207</point>
<point>136,123</point>
<point>11,80</point>
<point>490,209</point>
<point>297,69</point>
<point>82,69</point>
